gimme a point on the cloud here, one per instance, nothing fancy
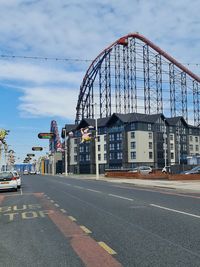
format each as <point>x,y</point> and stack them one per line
<point>57,102</point>
<point>38,74</point>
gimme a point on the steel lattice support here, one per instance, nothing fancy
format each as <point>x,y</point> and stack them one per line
<point>133,75</point>
<point>184,95</point>
<point>147,104</point>
<point>159,84</point>
<point>172,90</point>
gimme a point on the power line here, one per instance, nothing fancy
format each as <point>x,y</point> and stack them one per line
<point>67,59</point>
<point>45,58</point>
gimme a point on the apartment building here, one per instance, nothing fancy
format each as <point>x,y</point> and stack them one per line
<point>129,140</point>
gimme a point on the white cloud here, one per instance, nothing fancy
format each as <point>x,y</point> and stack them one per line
<point>57,102</point>
<point>38,74</point>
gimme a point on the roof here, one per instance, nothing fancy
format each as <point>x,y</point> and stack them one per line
<point>173,121</point>
<point>135,117</point>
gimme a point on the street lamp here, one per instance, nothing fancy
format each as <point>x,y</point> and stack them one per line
<point>66,165</point>
<point>96,143</point>
<point>165,143</point>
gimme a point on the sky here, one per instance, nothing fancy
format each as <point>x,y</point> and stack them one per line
<point>33,92</point>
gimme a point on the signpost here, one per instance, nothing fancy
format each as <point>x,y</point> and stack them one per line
<point>46,135</point>
<point>37,148</point>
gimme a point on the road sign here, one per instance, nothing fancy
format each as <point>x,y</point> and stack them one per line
<point>30,155</point>
<point>37,148</point>
<point>46,135</point>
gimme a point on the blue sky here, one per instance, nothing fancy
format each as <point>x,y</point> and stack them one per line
<point>34,92</point>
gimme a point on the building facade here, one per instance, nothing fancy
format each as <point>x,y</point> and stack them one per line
<point>125,141</point>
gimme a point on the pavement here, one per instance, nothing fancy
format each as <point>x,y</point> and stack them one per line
<point>192,186</point>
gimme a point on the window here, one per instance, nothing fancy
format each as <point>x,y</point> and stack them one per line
<point>87,157</point>
<point>132,145</point>
<point>150,155</point>
<point>197,147</point>
<point>171,137</point>
<point>149,127</point>
<point>132,126</point>
<point>191,138</point>
<point>172,155</point>
<point>105,156</point>
<point>98,138</point>
<point>133,155</point>
<point>104,147</point>
<point>171,129</point>
<point>196,139</point>
<point>112,155</point>
<point>75,140</point>
<point>75,149</point>
<point>150,145</point>
<point>184,138</point>
<point>99,156</point>
<point>75,158</point>
<point>184,148</point>
<point>81,157</point>
<point>150,135</point>
<point>112,146</point>
<point>81,148</point>
<point>99,148</point>
<point>119,136</point>
<point>87,148</point>
<point>105,137</point>
<point>132,135</point>
<point>111,137</point>
<point>119,146</point>
<point>191,147</point>
<point>119,155</point>
<point>171,146</point>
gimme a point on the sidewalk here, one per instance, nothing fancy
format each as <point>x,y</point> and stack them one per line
<point>192,186</point>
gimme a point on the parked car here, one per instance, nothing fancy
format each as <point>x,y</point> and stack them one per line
<point>32,172</point>
<point>26,172</point>
<point>142,169</point>
<point>195,170</point>
<point>19,179</point>
<point>8,181</point>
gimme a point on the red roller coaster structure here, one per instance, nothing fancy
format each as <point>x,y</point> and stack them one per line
<point>135,75</point>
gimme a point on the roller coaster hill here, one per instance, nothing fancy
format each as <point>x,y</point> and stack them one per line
<point>133,75</point>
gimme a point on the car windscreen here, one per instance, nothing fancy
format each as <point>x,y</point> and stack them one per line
<point>6,175</point>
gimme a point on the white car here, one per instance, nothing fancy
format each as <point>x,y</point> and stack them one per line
<point>8,181</point>
<point>26,172</point>
<point>142,169</point>
<point>19,179</point>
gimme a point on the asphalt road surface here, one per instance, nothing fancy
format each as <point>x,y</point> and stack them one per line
<point>58,221</point>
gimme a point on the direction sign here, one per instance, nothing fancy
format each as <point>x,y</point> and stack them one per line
<point>37,148</point>
<point>46,135</point>
<point>30,155</point>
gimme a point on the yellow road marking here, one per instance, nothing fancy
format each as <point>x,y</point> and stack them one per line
<point>63,211</point>
<point>56,205</point>
<point>72,218</point>
<point>107,248</point>
<point>85,229</point>
<point>52,201</point>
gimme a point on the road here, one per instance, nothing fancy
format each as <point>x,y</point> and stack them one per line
<point>58,221</point>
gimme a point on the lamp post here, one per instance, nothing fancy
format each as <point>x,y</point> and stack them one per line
<point>66,159</point>
<point>165,143</point>
<point>96,144</point>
